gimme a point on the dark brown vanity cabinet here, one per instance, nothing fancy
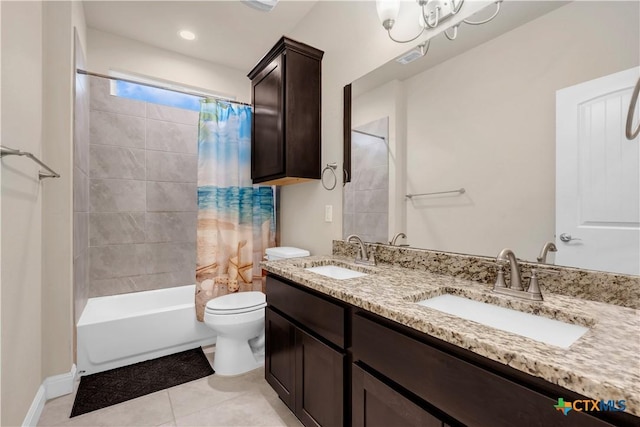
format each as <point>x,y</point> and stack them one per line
<point>408,378</point>
<point>334,364</point>
<point>285,133</point>
<point>305,356</point>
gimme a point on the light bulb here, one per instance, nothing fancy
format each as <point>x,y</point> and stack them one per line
<point>388,12</point>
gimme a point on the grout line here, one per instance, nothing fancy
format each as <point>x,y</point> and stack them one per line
<point>173,414</point>
<point>142,180</point>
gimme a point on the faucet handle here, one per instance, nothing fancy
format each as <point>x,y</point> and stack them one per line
<point>534,286</point>
<point>500,283</point>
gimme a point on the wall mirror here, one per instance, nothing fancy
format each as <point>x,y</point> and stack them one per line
<point>480,113</point>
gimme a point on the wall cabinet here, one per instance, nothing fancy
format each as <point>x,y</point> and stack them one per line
<point>305,368</point>
<point>285,133</point>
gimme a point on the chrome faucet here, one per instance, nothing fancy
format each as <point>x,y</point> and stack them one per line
<point>515,289</point>
<point>364,255</point>
<point>396,237</point>
<point>548,247</point>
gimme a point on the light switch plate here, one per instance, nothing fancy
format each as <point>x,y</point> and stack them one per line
<point>328,213</point>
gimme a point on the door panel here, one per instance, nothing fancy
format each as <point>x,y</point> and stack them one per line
<point>597,176</point>
<point>377,405</point>
<point>267,144</point>
<point>319,382</point>
<point>280,355</point>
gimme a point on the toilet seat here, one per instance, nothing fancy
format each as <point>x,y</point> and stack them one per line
<point>241,302</point>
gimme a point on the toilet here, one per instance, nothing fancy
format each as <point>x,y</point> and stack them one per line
<point>238,321</point>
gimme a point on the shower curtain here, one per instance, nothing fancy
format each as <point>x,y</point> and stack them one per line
<point>236,220</point>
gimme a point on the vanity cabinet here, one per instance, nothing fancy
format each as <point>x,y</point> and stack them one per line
<point>334,364</point>
<point>425,384</point>
<point>305,357</point>
<point>285,133</point>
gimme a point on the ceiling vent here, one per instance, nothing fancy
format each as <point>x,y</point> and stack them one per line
<point>413,54</point>
<point>262,5</point>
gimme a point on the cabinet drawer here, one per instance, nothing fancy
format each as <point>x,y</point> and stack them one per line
<point>466,392</point>
<point>317,314</point>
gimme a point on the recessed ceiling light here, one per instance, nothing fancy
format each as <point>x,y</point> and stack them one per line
<point>187,35</point>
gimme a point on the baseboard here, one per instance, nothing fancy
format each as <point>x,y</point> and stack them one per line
<point>35,410</point>
<point>59,385</point>
<point>52,387</point>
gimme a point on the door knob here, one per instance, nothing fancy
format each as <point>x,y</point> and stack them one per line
<point>564,237</point>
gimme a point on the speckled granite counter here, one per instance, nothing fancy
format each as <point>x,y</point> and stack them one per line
<point>603,364</point>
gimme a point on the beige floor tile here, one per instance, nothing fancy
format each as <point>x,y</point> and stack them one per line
<point>200,394</point>
<point>250,409</point>
<point>57,410</point>
<point>151,410</point>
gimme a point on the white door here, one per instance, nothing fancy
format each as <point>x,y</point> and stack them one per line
<point>597,176</point>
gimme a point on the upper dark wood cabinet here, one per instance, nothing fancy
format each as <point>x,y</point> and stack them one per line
<point>285,136</point>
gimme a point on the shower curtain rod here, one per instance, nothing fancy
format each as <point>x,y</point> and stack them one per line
<point>104,76</point>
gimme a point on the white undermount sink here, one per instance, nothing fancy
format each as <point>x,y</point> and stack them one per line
<point>528,325</point>
<point>336,272</point>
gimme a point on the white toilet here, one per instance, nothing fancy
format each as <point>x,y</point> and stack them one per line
<point>238,321</point>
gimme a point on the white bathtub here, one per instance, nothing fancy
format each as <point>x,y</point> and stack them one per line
<point>120,330</point>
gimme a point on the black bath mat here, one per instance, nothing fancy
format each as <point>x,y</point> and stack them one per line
<point>118,385</point>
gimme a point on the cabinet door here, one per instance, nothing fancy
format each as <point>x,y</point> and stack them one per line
<point>280,356</point>
<point>375,404</point>
<point>319,382</point>
<point>267,142</point>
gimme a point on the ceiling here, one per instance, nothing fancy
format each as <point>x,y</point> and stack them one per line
<point>232,34</point>
<point>228,32</point>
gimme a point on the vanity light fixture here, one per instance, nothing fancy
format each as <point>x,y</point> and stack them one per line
<point>187,35</point>
<point>431,14</point>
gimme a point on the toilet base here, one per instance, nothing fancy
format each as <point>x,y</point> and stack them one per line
<point>234,357</point>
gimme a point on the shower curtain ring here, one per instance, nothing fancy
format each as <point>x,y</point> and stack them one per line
<point>331,167</point>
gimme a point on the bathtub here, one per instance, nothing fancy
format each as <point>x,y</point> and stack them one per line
<point>120,330</point>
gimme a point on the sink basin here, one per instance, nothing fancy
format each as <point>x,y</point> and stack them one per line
<point>528,325</point>
<point>335,272</point>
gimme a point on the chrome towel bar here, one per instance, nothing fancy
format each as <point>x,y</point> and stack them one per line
<point>6,151</point>
<point>459,191</point>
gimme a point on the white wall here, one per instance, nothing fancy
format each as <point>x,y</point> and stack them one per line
<point>59,19</point>
<point>107,52</point>
<point>37,102</point>
<point>21,208</point>
<point>354,43</point>
<point>485,120</point>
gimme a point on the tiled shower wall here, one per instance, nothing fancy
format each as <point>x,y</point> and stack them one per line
<point>366,197</point>
<point>142,194</point>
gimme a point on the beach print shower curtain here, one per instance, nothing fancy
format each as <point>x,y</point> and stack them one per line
<point>236,220</point>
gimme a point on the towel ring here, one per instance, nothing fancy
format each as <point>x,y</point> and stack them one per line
<point>330,167</point>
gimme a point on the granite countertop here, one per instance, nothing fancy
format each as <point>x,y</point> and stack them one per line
<point>602,364</point>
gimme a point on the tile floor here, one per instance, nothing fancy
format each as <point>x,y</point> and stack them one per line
<point>244,400</point>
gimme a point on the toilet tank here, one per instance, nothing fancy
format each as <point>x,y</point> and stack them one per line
<point>283,252</point>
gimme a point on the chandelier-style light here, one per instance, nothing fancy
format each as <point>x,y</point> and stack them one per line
<point>432,13</point>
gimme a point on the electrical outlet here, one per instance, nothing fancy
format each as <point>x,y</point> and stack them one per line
<point>328,213</point>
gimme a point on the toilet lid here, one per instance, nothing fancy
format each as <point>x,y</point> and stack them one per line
<point>236,303</point>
